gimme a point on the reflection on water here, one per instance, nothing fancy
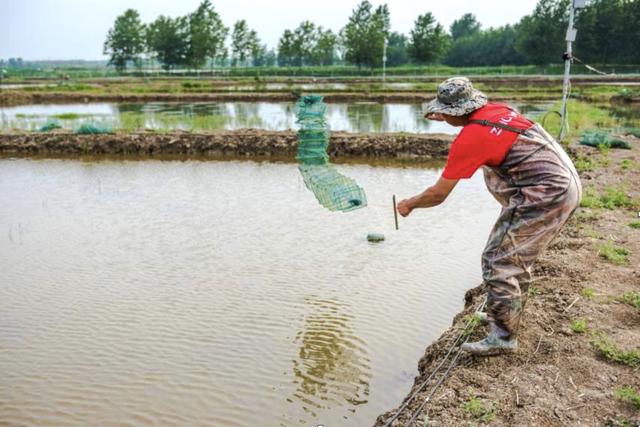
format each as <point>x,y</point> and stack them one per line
<point>332,369</point>
<point>349,117</point>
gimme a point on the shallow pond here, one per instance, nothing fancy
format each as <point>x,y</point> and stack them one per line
<point>220,292</point>
<point>352,117</point>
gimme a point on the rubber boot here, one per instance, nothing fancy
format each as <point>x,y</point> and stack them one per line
<point>496,343</point>
<point>483,317</point>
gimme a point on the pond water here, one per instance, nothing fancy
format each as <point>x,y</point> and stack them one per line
<point>352,117</point>
<point>221,293</point>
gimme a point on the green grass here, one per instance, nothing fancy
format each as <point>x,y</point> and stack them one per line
<point>593,235</point>
<point>626,164</point>
<point>612,352</point>
<point>582,116</point>
<point>70,116</point>
<point>617,197</point>
<point>631,297</point>
<point>614,197</point>
<point>578,326</point>
<point>634,224</point>
<point>629,395</point>
<point>588,294</point>
<point>480,412</point>
<point>614,254</point>
<point>534,290</point>
<point>473,325</point>
<point>584,164</point>
<point>591,198</point>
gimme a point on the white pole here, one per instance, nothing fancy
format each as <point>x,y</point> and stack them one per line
<point>571,36</point>
<point>384,60</point>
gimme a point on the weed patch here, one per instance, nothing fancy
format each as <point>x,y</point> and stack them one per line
<point>480,412</point>
<point>534,290</point>
<point>579,326</point>
<point>628,394</point>
<point>614,254</point>
<point>631,297</point>
<point>588,294</point>
<point>612,352</point>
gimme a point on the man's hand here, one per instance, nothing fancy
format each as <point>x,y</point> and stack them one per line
<point>434,116</point>
<point>432,196</point>
<point>405,207</point>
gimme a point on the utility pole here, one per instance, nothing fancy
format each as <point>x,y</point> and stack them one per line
<point>571,37</point>
<point>384,60</point>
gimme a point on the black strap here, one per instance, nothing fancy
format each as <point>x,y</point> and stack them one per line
<point>501,126</point>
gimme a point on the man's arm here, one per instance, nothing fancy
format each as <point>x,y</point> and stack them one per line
<point>432,196</point>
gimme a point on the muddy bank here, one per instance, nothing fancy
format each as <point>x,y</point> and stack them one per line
<point>557,376</point>
<point>21,97</point>
<point>244,142</point>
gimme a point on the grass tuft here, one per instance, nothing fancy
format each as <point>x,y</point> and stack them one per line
<point>482,413</point>
<point>473,325</point>
<point>579,326</point>
<point>631,297</point>
<point>612,352</point>
<point>614,254</point>
<point>628,394</point>
<point>588,294</point>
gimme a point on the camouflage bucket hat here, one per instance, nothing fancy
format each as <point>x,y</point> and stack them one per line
<point>456,97</point>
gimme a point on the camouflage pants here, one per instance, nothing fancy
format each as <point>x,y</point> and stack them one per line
<point>539,189</point>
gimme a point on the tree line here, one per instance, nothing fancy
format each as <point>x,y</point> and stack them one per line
<point>607,34</point>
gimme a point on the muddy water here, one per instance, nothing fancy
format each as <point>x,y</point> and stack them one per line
<point>219,292</point>
<point>353,117</point>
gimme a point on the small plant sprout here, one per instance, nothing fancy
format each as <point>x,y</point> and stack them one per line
<point>480,412</point>
<point>614,254</point>
<point>629,395</point>
<point>631,297</point>
<point>626,164</point>
<point>473,321</point>
<point>588,294</point>
<point>593,235</point>
<point>634,225</point>
<point>609,350</point>
<point>534,290</point>
<point>578,326</point>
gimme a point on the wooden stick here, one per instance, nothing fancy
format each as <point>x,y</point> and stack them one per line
<point>574,301</point>
<point>395,211</point>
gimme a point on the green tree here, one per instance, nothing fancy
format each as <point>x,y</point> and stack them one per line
<point>466,26</point>
<point>397,53</point>
<point>207,35</point>
<point>244,43</point>
<point>304,41</point>
<point>307,44</point>
<point>608,32</point>
<point>324,50</point>
<point>541,35</point>
<point>167,39</point>
<point>286,49</point>
<point>125,41</point>
<point>364,35</point>
<point>486,48</point>
<point>428,40</point>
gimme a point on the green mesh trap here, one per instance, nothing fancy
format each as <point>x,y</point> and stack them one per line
<point>49,126</point>
<point>596,139</point>
<point>90,129</point>
<point>333,190</point>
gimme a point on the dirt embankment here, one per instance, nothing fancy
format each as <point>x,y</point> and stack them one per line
<point>243,142</point>
<point>557,376</point>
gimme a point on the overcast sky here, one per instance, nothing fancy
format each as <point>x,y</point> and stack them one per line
<point>76,29</point>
